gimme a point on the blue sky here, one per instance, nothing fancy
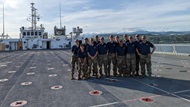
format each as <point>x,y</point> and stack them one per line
<point>100,16</point>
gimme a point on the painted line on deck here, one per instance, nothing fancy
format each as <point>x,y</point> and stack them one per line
<point>126,101</point>
<point>13,80</point>
<point>183,91</point>
<point>163,91</point>
<point>137,99</point>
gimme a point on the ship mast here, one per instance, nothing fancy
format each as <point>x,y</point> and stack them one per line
<point>34,17</point>
<point>3,22</point>
<point>60,15</point>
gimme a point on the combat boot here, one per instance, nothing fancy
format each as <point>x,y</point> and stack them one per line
<point>78,77</point>
<point>100,76</point>
<point>96,76</point>
<point>72,76</point>
<point>108,74</point>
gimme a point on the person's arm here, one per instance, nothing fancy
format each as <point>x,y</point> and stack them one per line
<point>84,61</point>
<point>89,55</point>
<point>116,54</point>
<point>138,51</point>
<point>79,60</point>
<point>153,49</point>
<point>72,49</point>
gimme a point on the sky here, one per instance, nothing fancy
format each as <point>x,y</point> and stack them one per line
<point>99,16</point>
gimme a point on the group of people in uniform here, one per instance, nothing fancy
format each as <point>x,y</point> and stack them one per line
<point>125,55</point>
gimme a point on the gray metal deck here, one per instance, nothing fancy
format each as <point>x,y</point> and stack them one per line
<point>169,88</point>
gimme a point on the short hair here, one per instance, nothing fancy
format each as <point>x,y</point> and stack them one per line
<point>76,40</point>
<point>96,36</point>
<point>81,45</point>
<point>125,35</point>
<point>111,36</point>
<point>130,37</point>
<point>137,35</point>
<point>116,36</point>
<point>86,39</point>
<point>91,39</point>
<point>144,36</point>
<point>102,38</point>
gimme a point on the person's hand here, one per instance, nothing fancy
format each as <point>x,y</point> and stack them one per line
<point>150,54</point>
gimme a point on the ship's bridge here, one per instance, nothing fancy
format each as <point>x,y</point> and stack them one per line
<point>29,32</point>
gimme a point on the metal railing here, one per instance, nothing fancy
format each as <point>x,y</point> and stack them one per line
<point>175,49</point>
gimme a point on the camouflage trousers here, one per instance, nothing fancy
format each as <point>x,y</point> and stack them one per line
<point>131,63</point>
<point>74,61</point>
<point>121,62</point>
<point>82,67</point>
<point>145,60</point>
<point>102,61</point>
<point>112,59</point>
<point>92,63</point>
<point>137,63</point>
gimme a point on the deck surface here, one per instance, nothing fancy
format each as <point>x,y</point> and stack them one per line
<point>169,87</point>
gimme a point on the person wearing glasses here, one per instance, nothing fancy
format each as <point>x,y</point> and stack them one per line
<point>145,53</point>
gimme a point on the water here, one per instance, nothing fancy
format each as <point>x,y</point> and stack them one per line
<point>173,48</point>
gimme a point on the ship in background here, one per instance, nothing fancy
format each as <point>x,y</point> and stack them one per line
<point>35,37</point>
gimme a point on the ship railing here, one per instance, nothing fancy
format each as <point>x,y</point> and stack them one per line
<point>173,49</point>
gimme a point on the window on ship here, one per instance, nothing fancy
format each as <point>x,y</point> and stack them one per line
<point>28,33</point>
<point>36,33</point>
<point>24,33</point>
<point>32,33</point>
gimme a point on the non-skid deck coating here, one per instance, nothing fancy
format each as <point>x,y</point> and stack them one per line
<point>42,71</point>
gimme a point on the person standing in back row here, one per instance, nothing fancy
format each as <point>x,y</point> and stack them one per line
<point>137,41</point>
<point>130,57</point>
<point>96,42</point>
<point>102,55</point>
<point>74,59</point>
<point>86,44</point>
<point>117,44</point>
<point>125,38</point>
<point>92,52</point>
<point>145,55</point>
<point>111,55</point>
<point>121,59</point>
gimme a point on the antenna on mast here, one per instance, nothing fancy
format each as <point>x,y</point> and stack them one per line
<point>3,21</point>
<point>60,14</point>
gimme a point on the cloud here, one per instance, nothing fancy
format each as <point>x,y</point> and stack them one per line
<point>93,17</point>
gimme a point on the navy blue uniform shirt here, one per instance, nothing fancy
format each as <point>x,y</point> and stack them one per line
<point>102,48</point>
<point>121,50</point>
<point>117,44</point>
<point>85,46</point>
<point>81,54</point>
<point>137,44</point>
<point>111,47</point>
<point>96,43</point>
<point>92,50</point>
<point>131,47</point>
<point>74,49</point>
<point>145,47</point>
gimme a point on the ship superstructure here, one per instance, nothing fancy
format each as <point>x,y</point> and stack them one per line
<point>35,37</point>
